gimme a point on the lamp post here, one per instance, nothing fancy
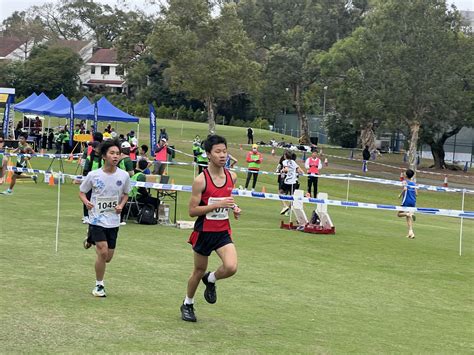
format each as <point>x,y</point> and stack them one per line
<point>324,101</point>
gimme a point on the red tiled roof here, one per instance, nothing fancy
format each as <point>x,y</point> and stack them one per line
<point>104,82</point>
<point>104,56</point>
<point>8,45</point>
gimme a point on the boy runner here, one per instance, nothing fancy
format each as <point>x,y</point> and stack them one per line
<point>21,162</point>
<point>290,183</point>
<point>409,194</point>
<point>211,201</point>
<point>110,187</point>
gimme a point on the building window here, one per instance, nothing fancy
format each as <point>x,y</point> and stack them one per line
<point>93,69</point>
<point>105,70</point>
<point>119,70</point>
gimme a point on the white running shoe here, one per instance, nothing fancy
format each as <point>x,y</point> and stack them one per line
<point>284,210</point>
<point>7,192</point>
<point>123,223</point>
<point>99,291</point>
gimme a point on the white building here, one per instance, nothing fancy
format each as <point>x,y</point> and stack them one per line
<point>104,71</point>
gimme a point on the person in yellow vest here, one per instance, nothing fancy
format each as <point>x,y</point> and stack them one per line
<point>141,193</point>
<point>313,165</point>
<point>254,158</point>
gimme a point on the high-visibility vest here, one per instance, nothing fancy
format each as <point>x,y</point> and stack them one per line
<point>254,165</point>
<point>313,165</point>
<point>162,154</point>
<point>134,191</point>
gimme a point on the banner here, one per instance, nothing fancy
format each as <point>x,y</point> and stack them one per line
<point>71,126</point>
<point>152,129</point>
<point>6,118</point>
<point>96,118</point>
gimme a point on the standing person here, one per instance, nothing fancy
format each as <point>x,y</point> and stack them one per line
<point>366,153</point>
<point>125,162</point>
<point>110,187</point>
<point>21,162</point>
<point>161,155</point>
<point>65,142</point>
<point>290,183</point>
<point>409,194</point>
<point>211,201</point>
<point>249,135</point>
<point>230,161</point>
<point>93,161</point>
<point>50,139</point>
<point>200,156</point>
<point>312,166</point>
<point>254,158</point>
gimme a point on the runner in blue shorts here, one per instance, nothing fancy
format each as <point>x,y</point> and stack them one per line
<point>408,195</point>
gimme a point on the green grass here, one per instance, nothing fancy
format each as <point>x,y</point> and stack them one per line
<point>368,289</point>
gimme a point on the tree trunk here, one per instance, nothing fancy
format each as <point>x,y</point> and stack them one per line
<point>302,119</point>
<point>367,137</point>
<point>437,147</point>
<point>211,115</point>
<point>438,155</point>
<point>414,130</point>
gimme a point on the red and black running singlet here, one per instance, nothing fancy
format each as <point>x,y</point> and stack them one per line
<point>217,220</point>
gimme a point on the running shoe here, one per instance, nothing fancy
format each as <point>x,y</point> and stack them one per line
<point>86,244</point>
<point>210,292</point>
<point>34,178</point>
<point>123,223</point>
<point>187,313</point>
<point>99,291</point>
<point>7,192</point>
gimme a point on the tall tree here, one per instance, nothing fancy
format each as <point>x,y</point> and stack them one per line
<point>289,36</point>
<point>210,58</point>
<point>404,66</point>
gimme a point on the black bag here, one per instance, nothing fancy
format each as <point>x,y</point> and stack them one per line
<point>315,219</point>
<point>147,215</point>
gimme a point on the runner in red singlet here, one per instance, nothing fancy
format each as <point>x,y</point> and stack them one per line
<point>211,202</point>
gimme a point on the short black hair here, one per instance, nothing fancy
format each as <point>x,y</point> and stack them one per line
<point>213,140</point>
<point>98,137</point>
<point>106,145</point>
<point>409,173</point>
<point>23,134</point>
<point>142,164</point>
<point>144,148</point>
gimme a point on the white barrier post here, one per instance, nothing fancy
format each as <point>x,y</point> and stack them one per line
<point>347,193</point>
<point>460,229</point>
<point>57,217</point>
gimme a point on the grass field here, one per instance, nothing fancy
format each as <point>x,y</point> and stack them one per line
<point>368,289</point>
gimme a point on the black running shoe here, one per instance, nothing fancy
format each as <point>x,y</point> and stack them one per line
<point>187,313</point>
<point>210,292</point>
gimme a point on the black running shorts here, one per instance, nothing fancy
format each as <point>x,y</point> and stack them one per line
<point>205,243</point>
<point>101,234</point>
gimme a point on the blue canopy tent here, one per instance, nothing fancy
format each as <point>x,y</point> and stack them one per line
<point>59,103</point>
<point>27,100</point>
<point>40,100</point>
<point>106,112</point>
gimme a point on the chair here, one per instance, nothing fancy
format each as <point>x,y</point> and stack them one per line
<point>132,203</point>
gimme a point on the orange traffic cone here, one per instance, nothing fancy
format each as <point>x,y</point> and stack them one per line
<point>326,163</point>
<point>264,190</point>
<point>51,180</point>
<point>445,183</point>
<point>9,174</point>
<point>402,177</point>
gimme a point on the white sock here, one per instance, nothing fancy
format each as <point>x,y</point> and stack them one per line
<point>188,300</point>
<point>99,283</point>
<point>212,277</point>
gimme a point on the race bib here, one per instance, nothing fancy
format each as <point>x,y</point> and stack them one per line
<point>106,204</point>
<point>217,214</point>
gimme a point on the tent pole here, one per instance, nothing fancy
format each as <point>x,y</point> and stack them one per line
<point>138,133</point>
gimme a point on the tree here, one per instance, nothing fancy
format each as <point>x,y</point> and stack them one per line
<point>289,36</point>
<point>209,57</point>
<point>53,71</point>
<point>403,67</point>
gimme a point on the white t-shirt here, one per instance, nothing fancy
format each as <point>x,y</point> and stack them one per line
<point>292,174</point>
<point>107,191</point>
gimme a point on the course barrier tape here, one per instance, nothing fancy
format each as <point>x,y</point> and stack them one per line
<point>277,197</point>
<point>345,177</point>
<point>43,155</point>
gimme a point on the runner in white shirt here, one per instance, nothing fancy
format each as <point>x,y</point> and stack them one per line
<point>290,183</point>
<point>110,187</point>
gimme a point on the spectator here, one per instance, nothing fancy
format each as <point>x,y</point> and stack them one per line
<point>254,159</point>
<point>161,155</point>
<point>249,135</point>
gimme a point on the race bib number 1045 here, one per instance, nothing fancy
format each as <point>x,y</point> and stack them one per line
<point>106,204</point>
